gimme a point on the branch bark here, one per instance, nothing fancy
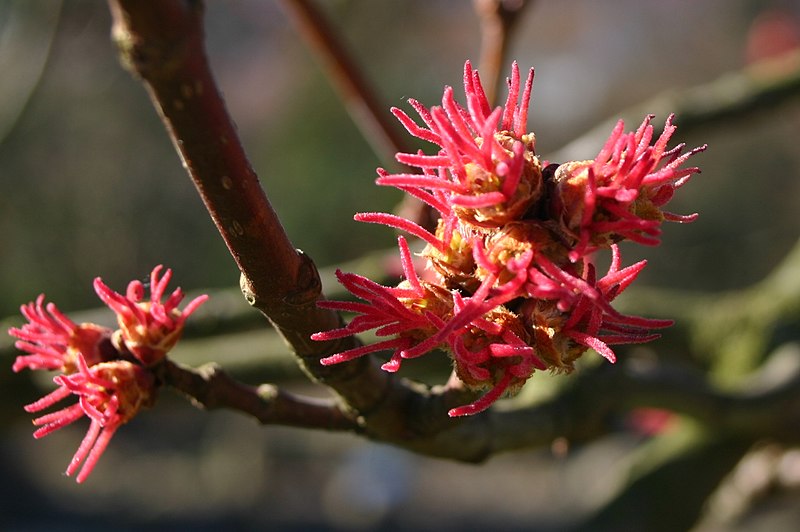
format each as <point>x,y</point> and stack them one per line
<point>210,387</point>
<point>162,43</point>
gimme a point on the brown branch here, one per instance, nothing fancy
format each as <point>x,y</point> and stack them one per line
<point>162,42</point>
<point>587,408</point>
<point>765,408</point>
<point>497,20</point>
<point>359,97</point>
<point>210,387</point>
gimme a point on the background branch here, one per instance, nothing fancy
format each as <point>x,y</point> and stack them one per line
<point>16,30</point>
<point>732,97</point>
<point>359,97</point>
<point>497,19</point>
<point>593,403</point>
<point>673,464</point>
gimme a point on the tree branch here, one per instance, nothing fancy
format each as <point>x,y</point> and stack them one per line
<point>586,409</point>
<point>210,387</point>
<point>733,96</point>
<point>359,97</point>
<point>497,20</point>
<point>162,43</point>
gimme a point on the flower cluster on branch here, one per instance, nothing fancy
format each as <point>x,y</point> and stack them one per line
<point>510,285</point>
<point>110,371</point>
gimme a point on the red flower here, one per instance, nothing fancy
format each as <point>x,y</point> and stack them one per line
<point>109,393</point>
<point>514,289</point>
<point>493,352</point>
<point>619,194</point>
<point>54,341</point>
<point>414,311</point>
<point>486,172</point>
<point>108,370</point>
<point>578,314</point>
<point>148,328</point>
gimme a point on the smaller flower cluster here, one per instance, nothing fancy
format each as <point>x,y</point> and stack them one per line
<point>110,371</point>
<point>510,284</point>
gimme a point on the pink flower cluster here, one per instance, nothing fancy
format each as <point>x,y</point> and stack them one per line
<point>510,285</point>
<point>109,371</point>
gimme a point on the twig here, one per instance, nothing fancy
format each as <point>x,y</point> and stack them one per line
<point>497,20</point>
<point>733,96</point>
<point>585,409</point>
<point>210,387</point>
<point>359,97</point>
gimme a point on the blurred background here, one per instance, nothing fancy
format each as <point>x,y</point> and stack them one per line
<point>90,185</point>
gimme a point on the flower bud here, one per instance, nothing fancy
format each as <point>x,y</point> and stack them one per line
<point>54,341</point>
<point>110,394</point>
<point>509,186</point>
<point>148,329</point>
<point>455,264</point>
<point>517,238</point>
<point>545,323</point>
